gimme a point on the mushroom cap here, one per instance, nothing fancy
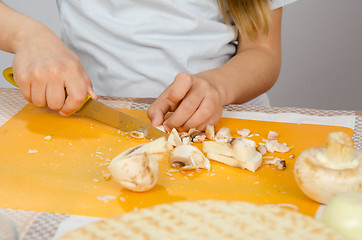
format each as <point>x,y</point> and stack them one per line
<point>321,183</point>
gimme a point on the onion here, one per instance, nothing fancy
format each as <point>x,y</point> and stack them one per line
<point>344,214</point>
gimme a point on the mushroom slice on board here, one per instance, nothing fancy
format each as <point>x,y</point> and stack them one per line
<point>223,135</point>
<point>240,152</point>
<point>136,169</point>
<point>196,135</point>
<point>275,146</point>
<point>210,132</point>
<point>174,139</point>
<point>278,162</point>
<point>322,173</point>
<point>243,132</point>
<point>188,157</point>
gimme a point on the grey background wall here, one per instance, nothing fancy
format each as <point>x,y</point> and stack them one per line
<point>321,44</point>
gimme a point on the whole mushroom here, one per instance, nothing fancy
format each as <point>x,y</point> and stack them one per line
<point>322,173</point>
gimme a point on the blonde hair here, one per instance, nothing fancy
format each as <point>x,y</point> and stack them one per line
<point>251,17</point>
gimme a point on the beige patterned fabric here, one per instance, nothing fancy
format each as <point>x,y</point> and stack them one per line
<point>37,225</point>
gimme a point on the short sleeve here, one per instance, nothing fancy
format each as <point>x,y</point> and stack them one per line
<point>274,4</point>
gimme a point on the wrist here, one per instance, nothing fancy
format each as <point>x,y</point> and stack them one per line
<point>27,35</point>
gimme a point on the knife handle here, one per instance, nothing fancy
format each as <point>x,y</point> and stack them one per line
<point>9,76</point>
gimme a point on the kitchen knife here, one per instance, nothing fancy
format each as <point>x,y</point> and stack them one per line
<point>101,112</point>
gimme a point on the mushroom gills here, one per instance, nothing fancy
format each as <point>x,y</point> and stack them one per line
<point>188,157</point>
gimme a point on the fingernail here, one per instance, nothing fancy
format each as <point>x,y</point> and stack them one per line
<point>167,128</point>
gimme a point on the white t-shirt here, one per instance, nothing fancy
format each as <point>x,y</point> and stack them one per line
<point>135,48</point>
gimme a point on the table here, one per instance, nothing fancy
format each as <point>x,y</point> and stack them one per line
<point>42,225</point>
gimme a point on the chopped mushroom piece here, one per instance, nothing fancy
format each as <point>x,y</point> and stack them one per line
<point>174,139</point>
<point>188,157</point>
<point>48,138</point>
<point>161,128</point>
<point>273,135</point>
<point>322,173</point>
<point>185,138</point>
<point>240,152</point>
<point>275,146</point>
<point>136,169</point>
<point>243,132</point>
<point>137,134</point>
<point>197,136</point>
<point>223,135</point>
<point>261,149</point>
<point>210,132</point>
<point>279,163</point>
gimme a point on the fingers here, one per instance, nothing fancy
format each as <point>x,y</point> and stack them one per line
<point>207,114</point>
<point>179,88</point>
<point>158,110</point>
<point>187,108</point>
<point>199,105</point>
<point>77,94</point>
<point>54,89</point>
<point>55,95</point>
<point>49,74</point>
<point>23,83</point>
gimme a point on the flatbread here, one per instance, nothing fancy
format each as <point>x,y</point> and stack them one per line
<point>209,219</point>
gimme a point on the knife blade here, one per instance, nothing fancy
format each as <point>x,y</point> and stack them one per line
<point>118,119</point>
<point>106,114</point>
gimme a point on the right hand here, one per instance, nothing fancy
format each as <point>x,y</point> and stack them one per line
<point>50,75</point>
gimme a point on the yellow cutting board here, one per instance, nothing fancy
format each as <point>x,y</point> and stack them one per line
<point>58,164</point>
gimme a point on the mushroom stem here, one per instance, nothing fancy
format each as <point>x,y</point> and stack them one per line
<point>339,152</point>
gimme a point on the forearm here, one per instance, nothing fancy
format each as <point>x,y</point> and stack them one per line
<point>248,74</point>
<point>17,28</point>
<point>253,70</point>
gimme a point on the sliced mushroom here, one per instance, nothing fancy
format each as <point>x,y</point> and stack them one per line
<point>275,146</point>
<point>324,172</point>
<point>220,148</point>
<point>137,134</point>
<point>161,128</point>
<point>278,162</point>
<point>240,152</point>
<point>223,135</point>
<point>188,157</point>
<point>136,169</point>
<point>210,132</point>
<point>185,138</point>
<point>261,149</point>
<point>174,139</point>
<point>273,135</point>
<point>243,132</point>
<point>196,135</point>
<point>245,150</point>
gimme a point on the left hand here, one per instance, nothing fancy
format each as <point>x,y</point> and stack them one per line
<point>194,101</point>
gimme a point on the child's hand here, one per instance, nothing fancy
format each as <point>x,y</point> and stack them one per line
<point>195,102</point>
<point>45,70</point>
